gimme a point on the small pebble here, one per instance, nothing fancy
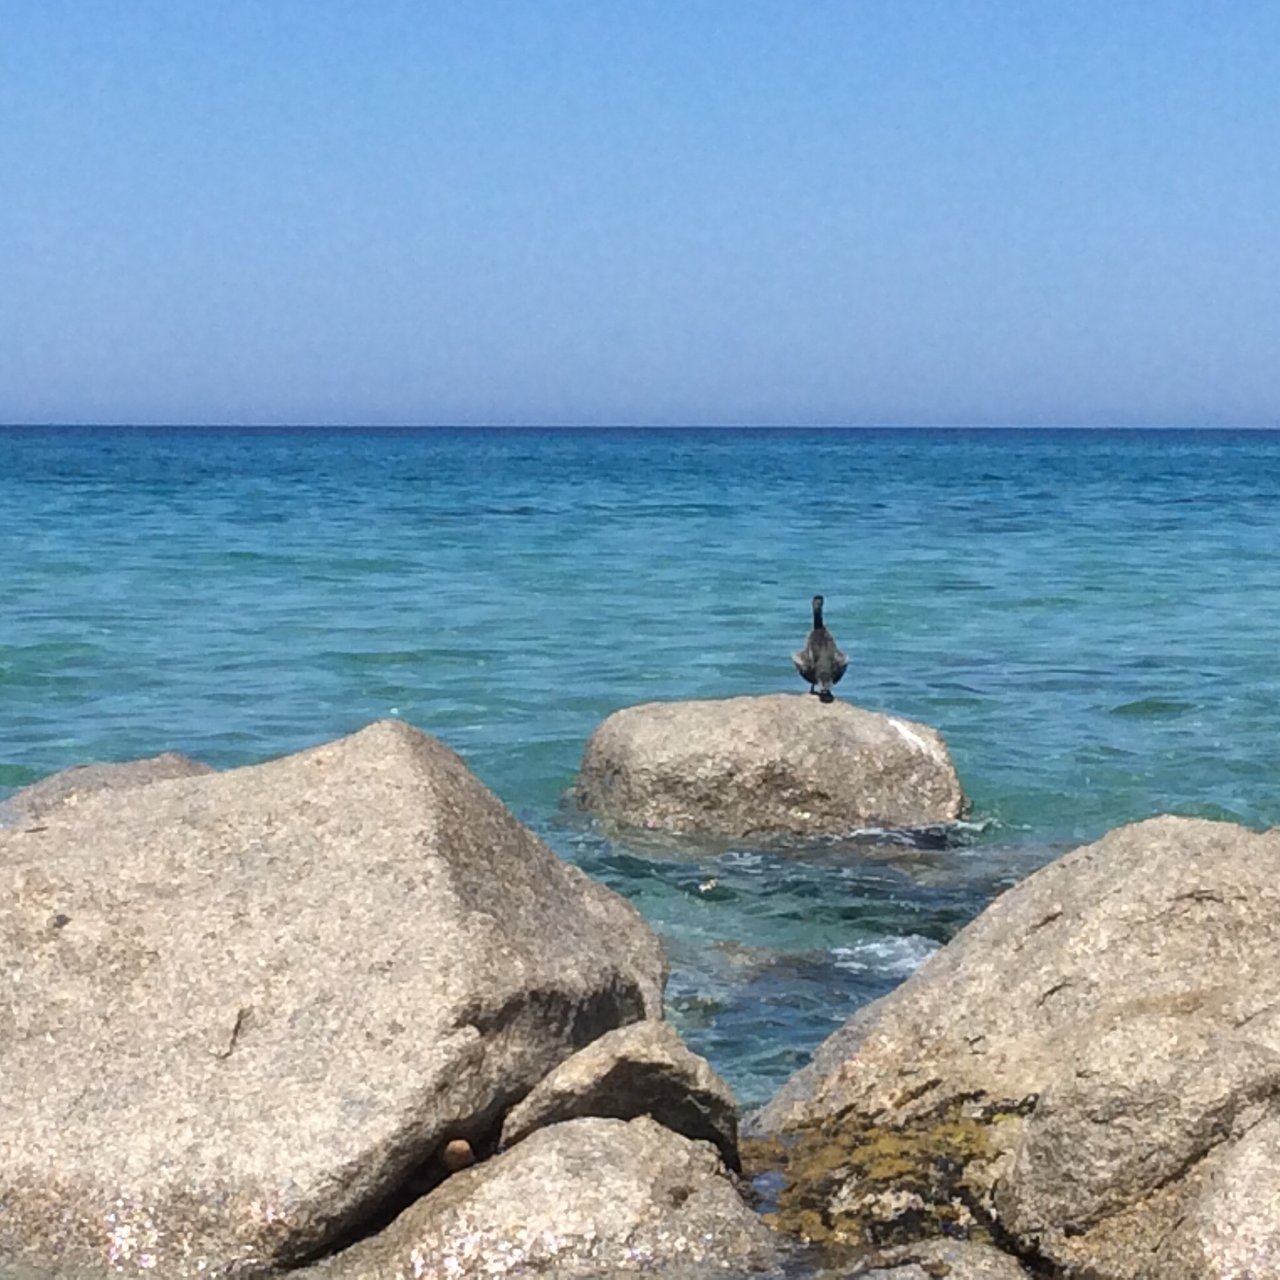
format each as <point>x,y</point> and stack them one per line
<point>457,1155</point>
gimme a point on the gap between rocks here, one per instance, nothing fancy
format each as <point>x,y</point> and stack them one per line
<point>582,1022</point>
<point>420,1179</point>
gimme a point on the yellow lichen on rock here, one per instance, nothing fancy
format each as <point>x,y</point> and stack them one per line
<point>853,1181</point>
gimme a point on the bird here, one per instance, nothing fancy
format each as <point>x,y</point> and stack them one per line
<point>820,662</point>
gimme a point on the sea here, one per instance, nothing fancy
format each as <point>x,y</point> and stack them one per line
<point>1089,617</point>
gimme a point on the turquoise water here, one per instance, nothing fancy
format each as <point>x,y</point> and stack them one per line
<point>1089,618</point>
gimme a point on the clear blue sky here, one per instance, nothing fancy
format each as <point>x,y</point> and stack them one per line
<point>623,211</point>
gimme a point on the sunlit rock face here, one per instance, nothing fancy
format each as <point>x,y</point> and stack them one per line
<point>69,787</point>
<point>243,1012</point>
<point>784,764</point>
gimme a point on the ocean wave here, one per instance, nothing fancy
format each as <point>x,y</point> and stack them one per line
<point>893,957</point>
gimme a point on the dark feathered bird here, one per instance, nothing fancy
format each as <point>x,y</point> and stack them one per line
<point>820,662</point>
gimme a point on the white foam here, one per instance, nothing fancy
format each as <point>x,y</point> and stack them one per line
<point>891,957</point>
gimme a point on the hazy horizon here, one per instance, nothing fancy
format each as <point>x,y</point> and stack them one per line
<point>1170,428</point>
<point>910,214</point>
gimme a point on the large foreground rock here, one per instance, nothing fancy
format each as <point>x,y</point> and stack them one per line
<point>70,786</point>
<point>784,763</point>
<point>643,1069</point>
<point>242,1012</point>
<point>587,1198</point>
<point>1090,1072</point>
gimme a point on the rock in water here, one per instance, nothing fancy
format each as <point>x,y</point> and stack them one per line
<point>587,1198</point>
<point>1089,1072</point>
<point>782,763</point>
<point>241,1012</point>
<point>643,1069</point>
<point>68,788</point>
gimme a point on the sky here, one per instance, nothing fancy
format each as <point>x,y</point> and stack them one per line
<point>629,212</point>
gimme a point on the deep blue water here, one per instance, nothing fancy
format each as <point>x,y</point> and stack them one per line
<point>1088,617</point>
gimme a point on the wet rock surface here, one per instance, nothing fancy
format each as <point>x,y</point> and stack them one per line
<point>778,764</point>
<point>63,791</point>
<point>589,1197</point>
<point>244,1013</point>
<point>638,1070</point>
<point>1088,1075</point>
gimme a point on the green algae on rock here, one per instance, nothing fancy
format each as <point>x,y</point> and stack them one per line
<point>852,1181</point>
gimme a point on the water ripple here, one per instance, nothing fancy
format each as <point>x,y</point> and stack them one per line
<point>1088,617</point>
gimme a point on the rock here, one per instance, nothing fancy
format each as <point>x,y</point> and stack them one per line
<point>1143,1103</point>
<point>1068,1072</point>
<point>789,1107</point>
<point>586,1198</point>
<point>638,1070</point>
<point>68,788</point>
<point>784,763</point>
<point>275,994</point>
<point>1233,1228</point>
<point>457,1154</point>
<point>942,1260</point>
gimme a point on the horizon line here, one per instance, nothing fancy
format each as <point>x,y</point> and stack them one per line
<point>636,426</point>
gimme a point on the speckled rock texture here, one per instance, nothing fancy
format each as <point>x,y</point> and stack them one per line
<point>1233,1228</point>
<point>242,1012</point>
<point>1089,1073</point>
<point>940,1260</point>
<point>587,1198</point>
<point>68,788</point>
<point>638,1070</point>
<point>778,764</point>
